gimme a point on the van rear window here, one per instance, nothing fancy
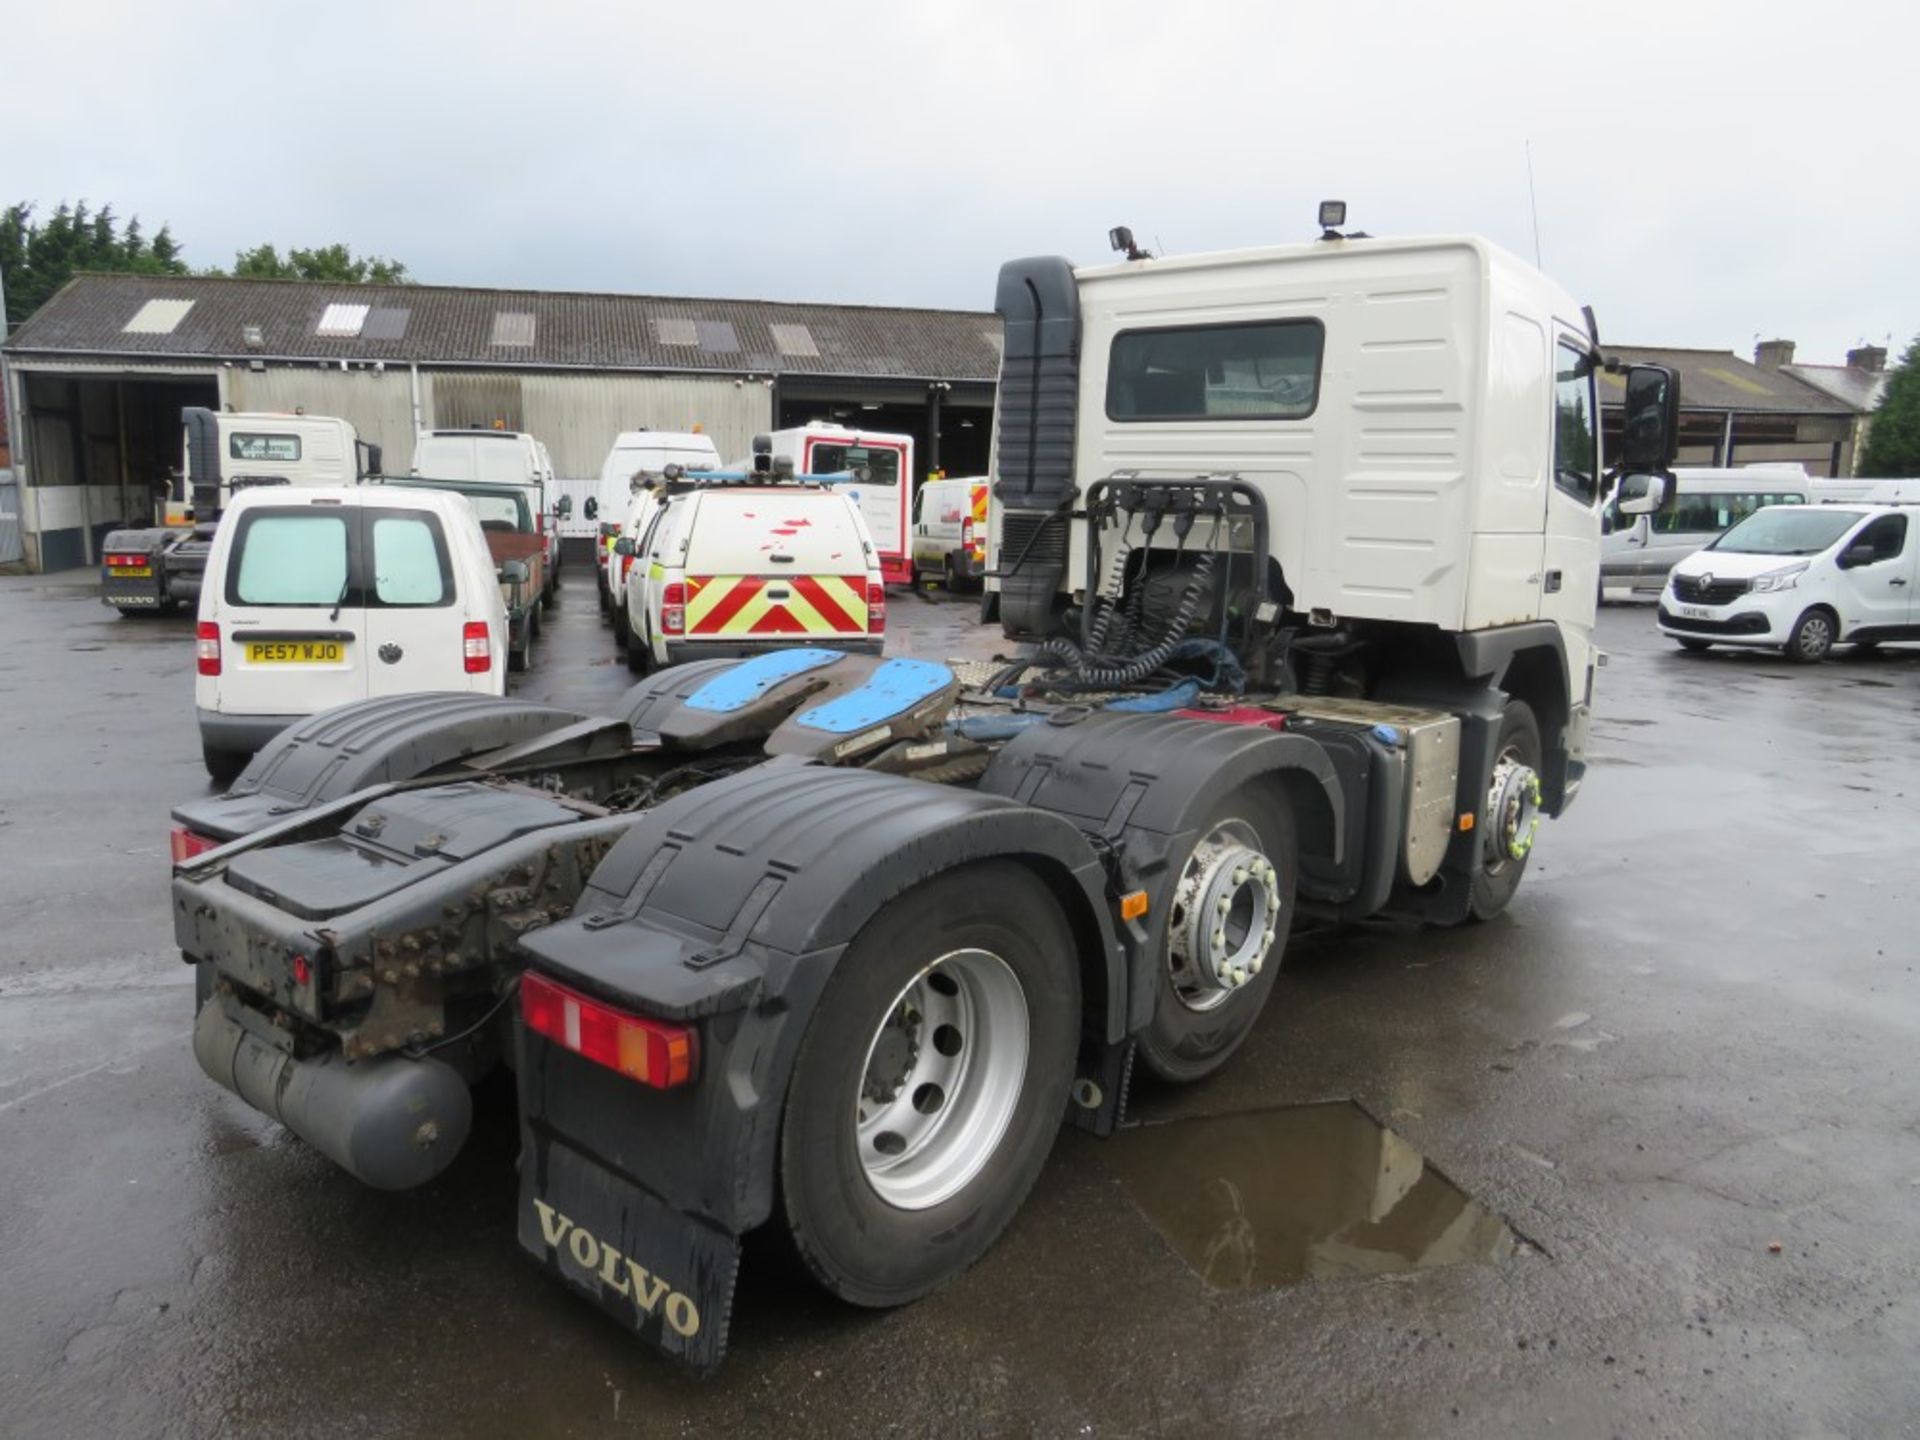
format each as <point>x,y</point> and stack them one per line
<point>410,565</point>
<point>290,560</point>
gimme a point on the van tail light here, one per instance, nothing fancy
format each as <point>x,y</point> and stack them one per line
<point>626,568</point>
<point>673,610</point>
<point>966,533</point>
<point>876,607</point>
<point>651,1051</point>
<point>184,844</point>
<point>476,647</point>
<point>207,647</point>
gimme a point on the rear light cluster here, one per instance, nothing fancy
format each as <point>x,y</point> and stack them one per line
<point>673,609</point>
<point>626,568</point>
<point>650,1051</point>
<point>125,562</point>
<point>476,647</point>
<point>876,607</point>
<point>184,844</point>
<point>207,647</point>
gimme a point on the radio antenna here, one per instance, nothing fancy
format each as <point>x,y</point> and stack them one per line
<point>1533,204</point>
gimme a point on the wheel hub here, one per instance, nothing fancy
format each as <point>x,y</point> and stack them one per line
<point>1226,911</point>
<point>943,1077</point>
<point>1513,812</point>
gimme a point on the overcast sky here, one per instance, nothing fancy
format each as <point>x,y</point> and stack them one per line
<point>1706,174</point>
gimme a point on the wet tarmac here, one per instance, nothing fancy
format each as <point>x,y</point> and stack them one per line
<point>1682,1067</point>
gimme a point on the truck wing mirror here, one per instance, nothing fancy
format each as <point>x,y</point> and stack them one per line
<point>1650,432</point>
<point>1644,494</point>
<point>563,507</point>
<point>591,510</point>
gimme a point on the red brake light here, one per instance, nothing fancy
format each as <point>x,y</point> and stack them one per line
<point>673,609</point>
<point>651,1051</point>
<point>626,568</point>
<point>207,647</point>
<point>184,844</point>
<point>476,643</point>
<point>876,607</point>
<point>966,533</point>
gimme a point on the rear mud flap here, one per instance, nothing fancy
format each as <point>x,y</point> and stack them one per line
<point>664,1275</point>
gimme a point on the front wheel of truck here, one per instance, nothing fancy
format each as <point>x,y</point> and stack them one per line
<point>1512,811</point>
<point>1227,922</point>
<point>930,1084</point>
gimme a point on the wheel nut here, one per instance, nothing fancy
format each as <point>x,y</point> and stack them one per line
<point>1239,977</point>
<point>1240,876</point>
<point>1219,939</point>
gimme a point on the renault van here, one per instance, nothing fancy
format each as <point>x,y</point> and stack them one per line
<point>317,597</point>
<point>1800,579</point>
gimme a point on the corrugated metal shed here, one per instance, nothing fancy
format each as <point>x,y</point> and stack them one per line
<point>530,329</point>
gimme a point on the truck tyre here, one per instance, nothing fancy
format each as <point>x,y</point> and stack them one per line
<point>930,1083</point>
<point>1217,966</point>
<point>1813,636</point>
<point>223,766</point>
<point>1511,815</point>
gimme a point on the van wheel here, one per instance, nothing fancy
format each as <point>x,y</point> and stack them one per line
<point>223,766</point>
<point>622,631</point>
<point>1228,915</point>
<point>639,655</point>
<point>606,600</point>
<point>1511,816</point>
<point>1696,646</point>
<point>518,655</point>
<point>1812,638</point>
<point>930,1084</point>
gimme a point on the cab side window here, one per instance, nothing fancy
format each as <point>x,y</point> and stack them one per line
<point>1575,449</point>
<point>1887,535</point>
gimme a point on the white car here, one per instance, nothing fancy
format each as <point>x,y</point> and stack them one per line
<point>740,569</point>
<point>638,452</point>
<point>1800,579</point>
<point>317,597</point>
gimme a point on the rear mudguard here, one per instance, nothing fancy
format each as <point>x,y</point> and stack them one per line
<point>1141,785</point>
<point>393,738</point>
<point>129,592</point>
<point>728,908</point>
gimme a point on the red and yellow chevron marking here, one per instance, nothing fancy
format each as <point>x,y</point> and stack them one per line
<point>743,605</point>
<point>979,499</point>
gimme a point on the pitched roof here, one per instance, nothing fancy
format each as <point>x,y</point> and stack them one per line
<point>1859,390</point>
<point>435,324</point>
<point>1721,380</point>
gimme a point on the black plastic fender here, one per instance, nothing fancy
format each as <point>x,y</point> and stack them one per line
<point>370,742</point>
<point>731,905</point>
<point>1142,784</point>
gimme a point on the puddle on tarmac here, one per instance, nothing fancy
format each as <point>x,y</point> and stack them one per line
<point>1275,1196</point>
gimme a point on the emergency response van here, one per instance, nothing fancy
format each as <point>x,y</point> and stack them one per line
<point>950,531</point>
<point>730,570</point>
<point>317,597</point>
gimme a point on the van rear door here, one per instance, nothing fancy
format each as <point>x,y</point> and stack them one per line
<point>291,638</point>
<point>415,613</point>
<point>762,564</point>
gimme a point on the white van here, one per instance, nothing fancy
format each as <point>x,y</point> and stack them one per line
<point>317,597</point>
<point>508,457</point>
<point>950,531</point>
<point>634,452</point>
<point>1802,579</point>
<point>730,570</point>
<point>1637,551</point>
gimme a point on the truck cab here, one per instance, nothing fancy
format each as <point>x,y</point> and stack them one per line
<point>224,453</point>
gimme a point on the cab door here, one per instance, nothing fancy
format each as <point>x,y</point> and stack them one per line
<point>1570,556</point>
<point>1877,593</point>
<point>414,614</point>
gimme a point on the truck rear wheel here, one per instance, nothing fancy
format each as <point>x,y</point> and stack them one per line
<point>930,1084</point>
<point>1512,813</point>
<point>1227,923</point>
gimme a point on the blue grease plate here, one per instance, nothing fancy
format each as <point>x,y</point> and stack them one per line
<point>896,687</point>
<point>750,679</point>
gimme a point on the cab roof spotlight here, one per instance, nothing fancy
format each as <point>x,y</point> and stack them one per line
<point>1333,214</point>
<point>1121,239</point>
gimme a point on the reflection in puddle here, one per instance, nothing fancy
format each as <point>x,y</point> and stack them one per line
<point>1274,1196</point>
